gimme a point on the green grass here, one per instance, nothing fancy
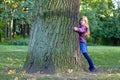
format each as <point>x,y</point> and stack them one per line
<point>105,58</point>
<point>12,48</point>
<point>12,58</point>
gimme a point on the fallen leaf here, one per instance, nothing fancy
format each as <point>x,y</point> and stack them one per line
<point>10,59</point>
<point>70,70</point>
<point>11,71</point>
<point>16,78</point>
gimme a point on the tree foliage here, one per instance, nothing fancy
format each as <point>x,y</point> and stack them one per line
<point>11,10</point>
<point>103,20</point>
<point>103,17</point>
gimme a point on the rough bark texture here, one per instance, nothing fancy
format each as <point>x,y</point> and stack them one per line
<point>53,44</point>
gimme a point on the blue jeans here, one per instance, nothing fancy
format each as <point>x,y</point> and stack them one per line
<point>83,49</point>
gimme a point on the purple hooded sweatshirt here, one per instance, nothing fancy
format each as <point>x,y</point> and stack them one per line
<point>81,31</point>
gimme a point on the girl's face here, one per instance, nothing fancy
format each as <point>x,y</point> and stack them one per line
<point>82,22</point>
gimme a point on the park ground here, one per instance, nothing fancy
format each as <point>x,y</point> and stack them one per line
<point>106,59</point>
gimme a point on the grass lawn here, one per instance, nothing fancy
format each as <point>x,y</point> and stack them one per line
<point>105,58</point>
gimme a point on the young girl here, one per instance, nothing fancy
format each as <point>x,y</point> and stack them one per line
<point>83,30</point>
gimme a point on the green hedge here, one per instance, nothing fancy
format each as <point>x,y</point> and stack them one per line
<point>21,41</point>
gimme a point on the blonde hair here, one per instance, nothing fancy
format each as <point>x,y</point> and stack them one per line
<point>86,24</point>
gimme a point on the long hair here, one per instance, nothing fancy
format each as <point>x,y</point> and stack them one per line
<point>86,24</point>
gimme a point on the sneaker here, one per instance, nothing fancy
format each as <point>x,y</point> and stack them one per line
<point>92,69</point>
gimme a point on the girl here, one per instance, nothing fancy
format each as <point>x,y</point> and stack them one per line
<point>83,30</point>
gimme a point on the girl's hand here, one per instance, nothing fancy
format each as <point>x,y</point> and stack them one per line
<point>75,28</point>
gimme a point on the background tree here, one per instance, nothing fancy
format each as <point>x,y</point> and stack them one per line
<point>14,14</point>
<point>53,44</point>
<point>102,15</point>
<point>103,20</point>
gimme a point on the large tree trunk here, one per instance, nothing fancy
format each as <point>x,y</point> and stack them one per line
<point>53,44</point>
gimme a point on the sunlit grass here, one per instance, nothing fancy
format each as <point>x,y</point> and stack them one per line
<point>106,57</point>
<point>104,49</point>
<point>9,48</point>
<point>12,59</point>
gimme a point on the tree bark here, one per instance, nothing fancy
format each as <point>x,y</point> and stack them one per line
<point>53,44</point>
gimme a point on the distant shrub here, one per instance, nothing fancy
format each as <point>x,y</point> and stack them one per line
<point>19,42</point>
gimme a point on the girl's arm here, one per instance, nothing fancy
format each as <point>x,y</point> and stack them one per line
<point>82,29</point>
